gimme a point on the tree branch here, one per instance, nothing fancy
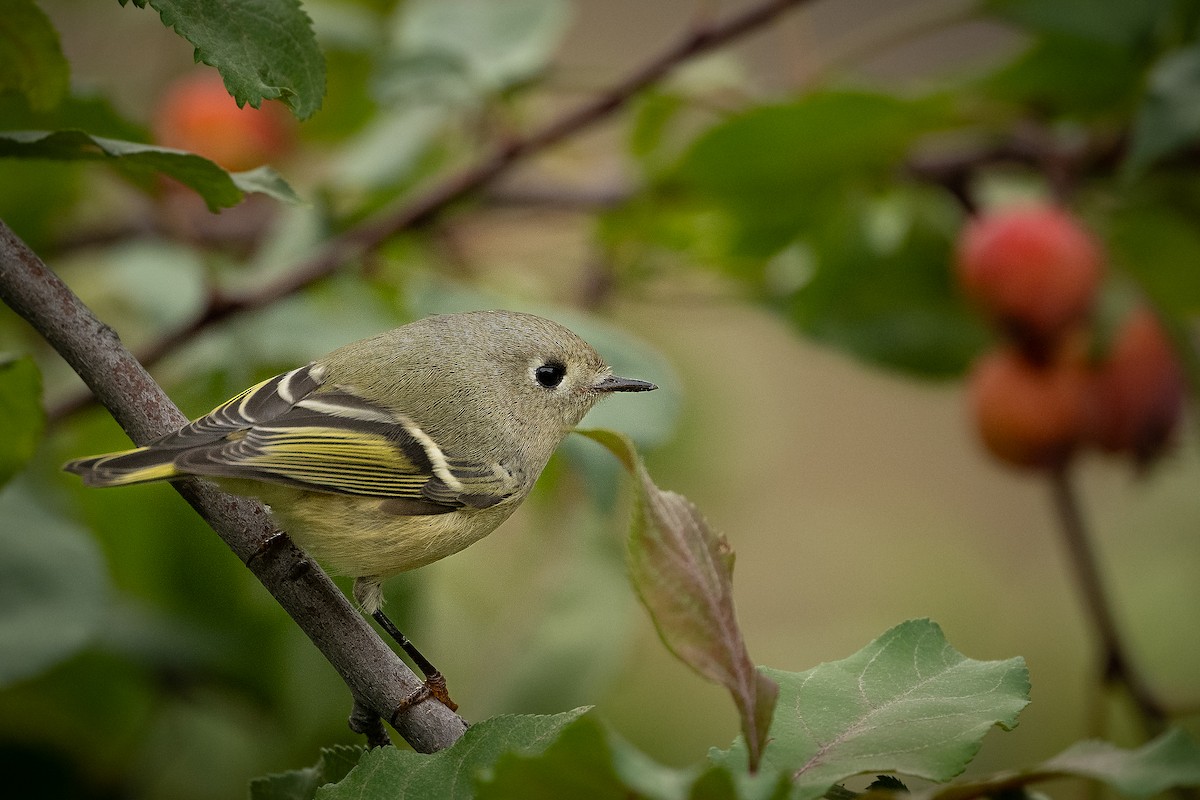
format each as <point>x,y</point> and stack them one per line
<point>1062,163</point>
<point>376,676</point>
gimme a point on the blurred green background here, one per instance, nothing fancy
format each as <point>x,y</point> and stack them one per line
<point>751,234</point>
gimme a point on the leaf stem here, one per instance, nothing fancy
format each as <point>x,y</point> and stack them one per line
<point>1116,667</point>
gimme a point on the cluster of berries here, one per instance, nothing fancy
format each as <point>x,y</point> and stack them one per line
<point>1057,383</point>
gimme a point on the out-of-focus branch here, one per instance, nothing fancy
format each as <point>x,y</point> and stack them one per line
<point>1062,163</point>
<point>567,199</point>
<point>377,678</point>
<point>368,236</point>
<point>1116,665</point>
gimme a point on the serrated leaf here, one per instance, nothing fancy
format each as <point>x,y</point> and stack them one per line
<point>220,189</point>
<point>53,586</point>
<point>21,410</point>
<point>1169,117</point>
<point>334,764</point>
<point>907,703</point>
<point>447,774</point>
<point>888,782</point>
<point>264,49</point>
<point>683,572</point>
<point>31,58</point>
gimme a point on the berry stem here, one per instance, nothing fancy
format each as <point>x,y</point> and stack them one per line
<point>1116,667</point>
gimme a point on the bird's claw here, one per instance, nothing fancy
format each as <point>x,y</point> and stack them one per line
<point>434,687</point>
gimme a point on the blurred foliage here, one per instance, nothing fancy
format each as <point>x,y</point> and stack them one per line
<point>20,406</point>
<point>139,659</point>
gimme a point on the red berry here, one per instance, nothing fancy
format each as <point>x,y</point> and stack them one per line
<point>1027,414</point>
<point>198,115</point>
<point>1137,390</point>
<point>1034,270</point>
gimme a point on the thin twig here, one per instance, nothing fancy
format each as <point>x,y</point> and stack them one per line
<point>376,676</point>
<point>368,236</point>
<point>1117,668</point>
<point>1030,145</point>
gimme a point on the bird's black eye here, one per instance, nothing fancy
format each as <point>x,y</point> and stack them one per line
<point>550,374</point>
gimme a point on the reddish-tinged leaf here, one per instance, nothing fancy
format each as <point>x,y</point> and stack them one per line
<point>683,572</point>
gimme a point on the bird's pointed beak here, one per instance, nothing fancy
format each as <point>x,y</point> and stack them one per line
<point>614,384</point>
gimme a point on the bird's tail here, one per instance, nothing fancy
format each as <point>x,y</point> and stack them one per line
<point>142,465</point>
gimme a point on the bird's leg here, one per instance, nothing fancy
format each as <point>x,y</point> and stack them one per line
<point>369,595</point>
<point>435,682</point>
<point>364,720</point>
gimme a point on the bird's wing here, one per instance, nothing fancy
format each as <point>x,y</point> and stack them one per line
<point>284,431</point>
<point>260,403</point>
<point>335,441</point>
<point>155,461</point>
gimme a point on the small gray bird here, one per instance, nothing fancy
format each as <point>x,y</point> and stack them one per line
<point>395,451</point>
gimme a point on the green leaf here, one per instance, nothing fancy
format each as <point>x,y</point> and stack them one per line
<point>40,217</point>
<point>492,45</point>
<point>391,147</point>
<point>583,762</point>
<point>264,49</point>
<point>1113,22</point>
<point>220,189</point>
<point>265,180</point>
<point>719,783</point>
<point>1069,75</point>
<point>1159,247</point>
<point>388,772</point>
<point>588,762</point>
<point>1169,118</point>
<point>93,113</point>
<point>908,703</point>
<point>777,169</point>
<point>53,586</point>
<point>881,288</point>
<point>31,58</point>
<point>654,111</point>
<point>683,572</point>
<point>302,784</point>
<point>21,410</point>
<point>1172,760</point>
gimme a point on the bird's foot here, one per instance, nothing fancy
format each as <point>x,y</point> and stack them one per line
<point>434,687</point>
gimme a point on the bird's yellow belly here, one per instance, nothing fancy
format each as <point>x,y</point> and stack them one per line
<point>357,537</point>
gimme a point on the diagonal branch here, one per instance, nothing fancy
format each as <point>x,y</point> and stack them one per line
<point>376,676</point>
<point>371,234</point>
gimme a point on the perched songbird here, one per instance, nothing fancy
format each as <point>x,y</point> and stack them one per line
<point>395,451</point>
